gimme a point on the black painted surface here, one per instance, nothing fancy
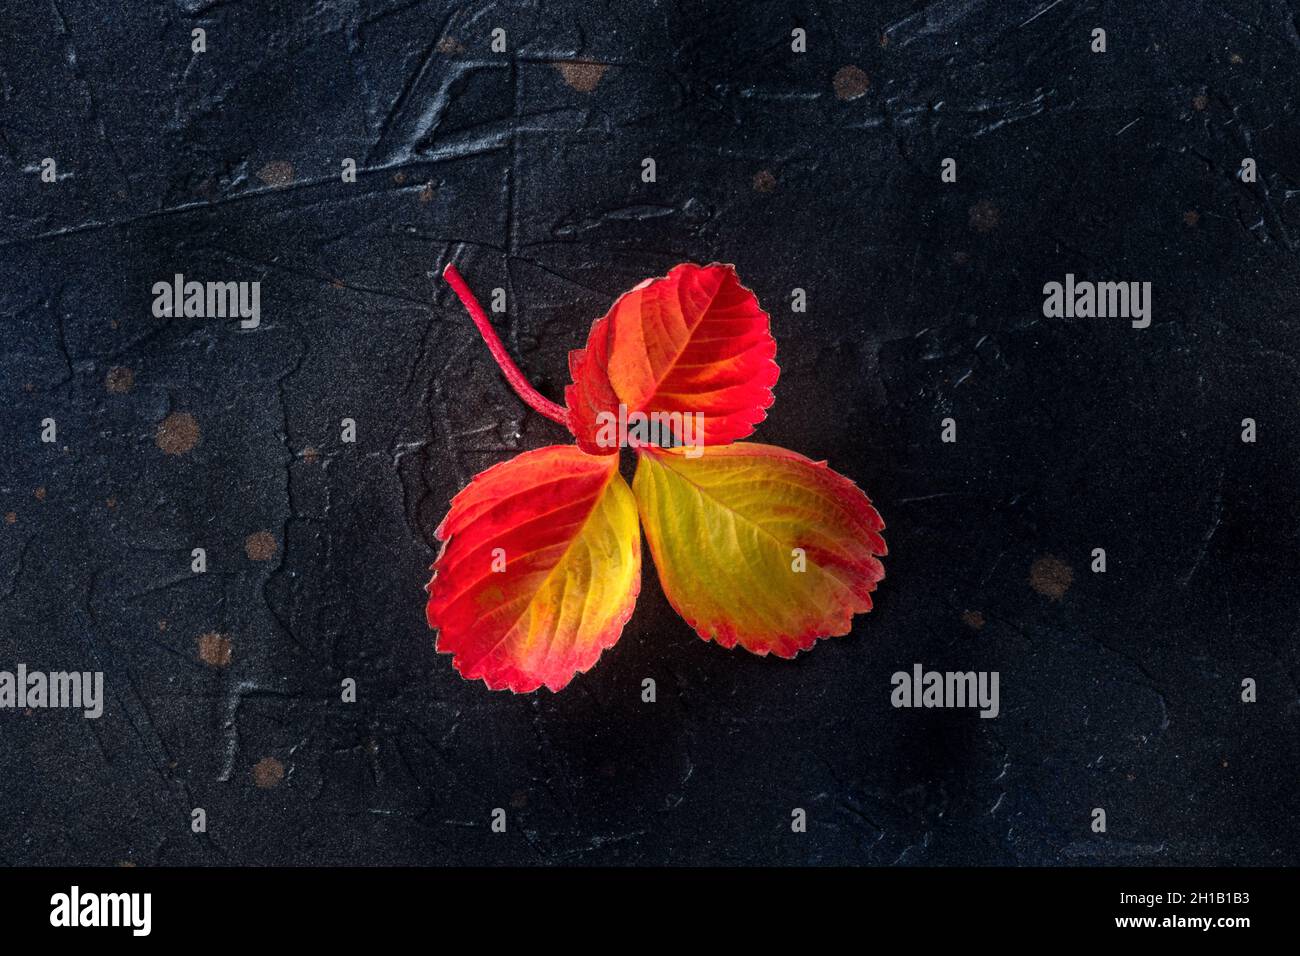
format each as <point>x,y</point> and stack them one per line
<point>925,302</point>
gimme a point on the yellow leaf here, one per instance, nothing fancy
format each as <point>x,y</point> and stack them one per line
<point>759,546</point>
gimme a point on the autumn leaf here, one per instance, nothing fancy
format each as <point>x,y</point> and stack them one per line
<point>759,546</point>
<point>755,545</point>
<point>694,341</point>
<point>539,571</point>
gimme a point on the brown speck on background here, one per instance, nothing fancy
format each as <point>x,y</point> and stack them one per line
<point>119,380</point>
<point>399,177</point>
<point>111,502</point>
<point>268,772</point>
<point>764,181</point>
<point>984,216</point>
<point>426,194</point>
<point>126,865</point>
<point>260,546</point>
<point>11,517</point>
<point>310,455</point>
<point>582,75</point>
<point>28,387</point>
<point>40,493</point>
<point>450,45</point>
<point>1051,577</point>
<point>518,800</point>
<point>214,649</point>
<point>850,82</point>
<point>1200,102</point>
<point>178,433</point>
<point>1191,217</point>
<point>162,625</point>
<point>973,619</point>
<point>1235,58</point>
<point>276,173</point>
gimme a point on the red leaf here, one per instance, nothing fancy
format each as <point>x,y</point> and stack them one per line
<point>692,341</point>
<point>539,571</point>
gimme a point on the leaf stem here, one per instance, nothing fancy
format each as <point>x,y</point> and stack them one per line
<point>531,396</point>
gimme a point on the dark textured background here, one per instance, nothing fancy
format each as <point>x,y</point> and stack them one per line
<point>925,302</point>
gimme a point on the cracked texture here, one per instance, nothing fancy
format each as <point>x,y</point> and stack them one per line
<point>818,171</point>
